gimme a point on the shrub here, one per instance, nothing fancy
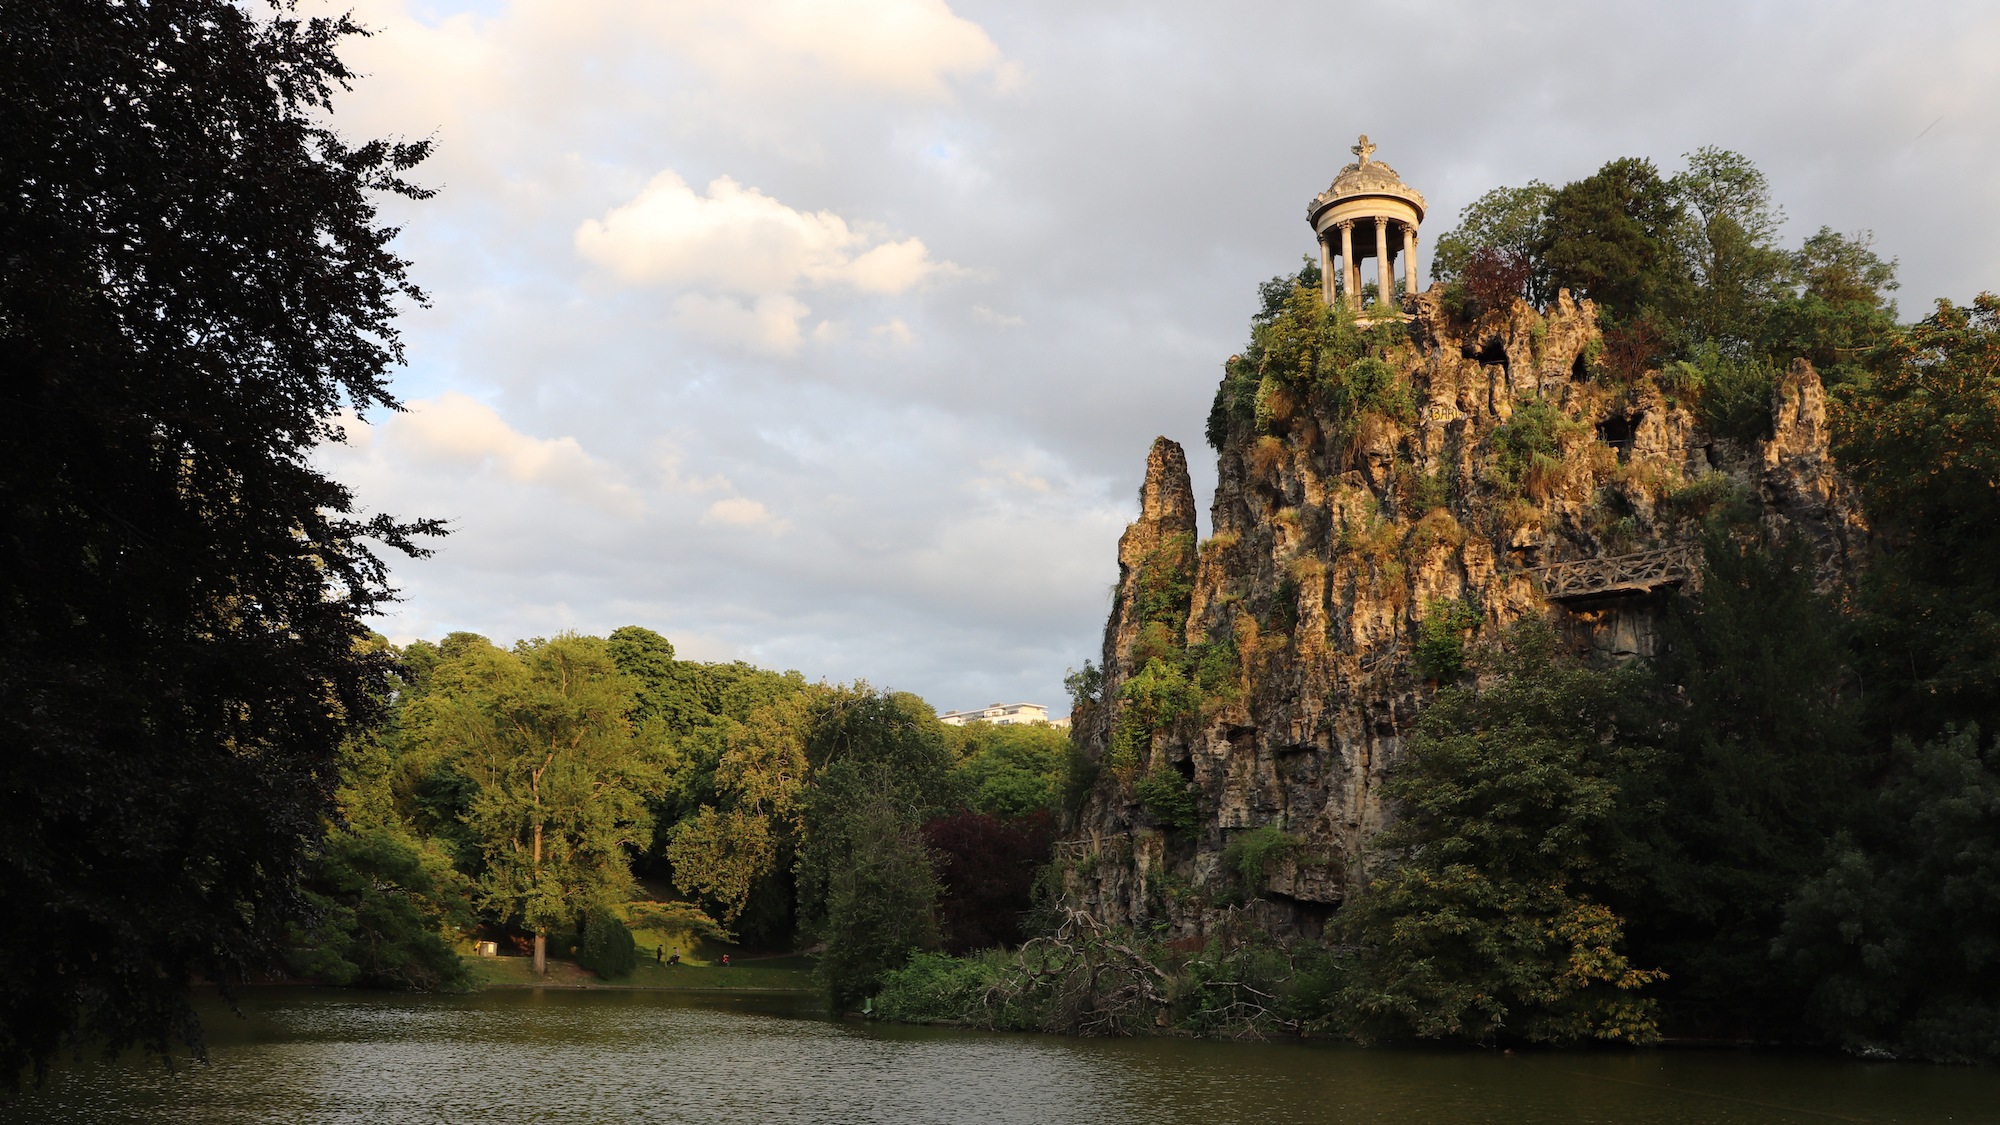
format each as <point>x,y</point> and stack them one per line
<point>607,948</point>
<point>1419,492</point>
<point>933,987</point>
<point>1170,799</point>
<point>1438,528</point>
<point>1441,638</point>
<point>1252,854</point>
<point>1530,446</point>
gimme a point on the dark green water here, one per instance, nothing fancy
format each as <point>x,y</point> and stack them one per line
<point>510,1057</point>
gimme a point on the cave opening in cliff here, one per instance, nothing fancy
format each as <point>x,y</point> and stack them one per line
<point>1619,431</point>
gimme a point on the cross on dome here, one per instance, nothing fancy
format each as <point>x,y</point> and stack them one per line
<point>1364,150</point>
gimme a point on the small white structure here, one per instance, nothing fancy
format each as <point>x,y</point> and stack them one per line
<point>999,714</point>
<point>1368,195</point>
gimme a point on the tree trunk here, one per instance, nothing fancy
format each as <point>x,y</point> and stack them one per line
<point>541,935</point>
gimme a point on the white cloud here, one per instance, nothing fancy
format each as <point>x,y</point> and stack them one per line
<point>739,511</point>
<point>739,240</point>
<point>905,47</point>
<point>768,324</point>
<point>990,317</point>
<point>456,429</point>
<point>895,335</point>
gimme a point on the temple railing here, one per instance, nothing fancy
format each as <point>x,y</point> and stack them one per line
<point>1645,570</point>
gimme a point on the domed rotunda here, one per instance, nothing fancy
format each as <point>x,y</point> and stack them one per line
<point>1368,194</point>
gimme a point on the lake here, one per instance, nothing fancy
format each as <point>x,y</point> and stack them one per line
<point>547,1055</point>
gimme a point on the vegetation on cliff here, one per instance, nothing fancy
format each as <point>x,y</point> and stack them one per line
<point>1686,814</point>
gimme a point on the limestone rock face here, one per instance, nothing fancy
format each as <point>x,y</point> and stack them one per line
<point>1335,538</point>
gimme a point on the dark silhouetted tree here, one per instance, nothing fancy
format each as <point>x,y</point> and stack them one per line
<point>195,283</point>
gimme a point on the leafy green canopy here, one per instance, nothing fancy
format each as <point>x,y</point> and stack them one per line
<point>561,782</point>
<point>195,283</point>
<point>1921,436</point>
<point>1684,269</point>
<point>1012,770</point>
<point>1757,765</point>
<point>1490,920</point>
<point>386,906</point>
<point>1900,938</point>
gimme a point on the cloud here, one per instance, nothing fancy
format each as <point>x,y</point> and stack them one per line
<point>455,429</point>
<point>736,242</point>
<point>990,317</point>
<point>739,240</point>
<point>1125,199</point>
<point>893,336</point>
<point>905,47</point>
<point>769,324</point>
<point>738,511</point>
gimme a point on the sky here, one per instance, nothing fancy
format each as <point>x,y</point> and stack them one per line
<point>832,335</point>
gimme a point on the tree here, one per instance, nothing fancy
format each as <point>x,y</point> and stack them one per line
<point>1900,936</point>
<point>987,865</point>
<point>1729,244</point>
<point>1921,437</point>
<point>1014,769</point>
<point>1840,315</point>
<point>1505,224</point>
<point>562,782</point>
<point>385,904</point>
<point>881,900</point>
<point>1610,237</point>
<point>1758,766</point>
<point>195,282</point>
<point>881,767</point>
<point>1491,920</point>
<point>728,855</point>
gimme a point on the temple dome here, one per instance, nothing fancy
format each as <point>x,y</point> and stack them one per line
<point>1363,180</point>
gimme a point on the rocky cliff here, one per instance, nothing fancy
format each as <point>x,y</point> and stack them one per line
<point>1266,679</point>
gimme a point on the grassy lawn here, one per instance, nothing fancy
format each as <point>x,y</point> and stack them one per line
<point>792,972</point>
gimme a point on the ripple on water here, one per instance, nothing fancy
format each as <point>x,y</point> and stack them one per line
<point>311,1056</point>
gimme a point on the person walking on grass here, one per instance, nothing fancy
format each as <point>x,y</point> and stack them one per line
<point>725,960</point>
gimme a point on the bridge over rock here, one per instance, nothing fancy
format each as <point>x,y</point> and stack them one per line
<point>1640,572</point>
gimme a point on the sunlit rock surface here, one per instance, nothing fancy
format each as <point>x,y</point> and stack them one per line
<point>1321,570</point>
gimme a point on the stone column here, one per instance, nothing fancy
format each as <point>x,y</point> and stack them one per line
<point>1410,259</point>
<point>1352,272</point>
<point>1385,278</point>
<point>1325,270</point>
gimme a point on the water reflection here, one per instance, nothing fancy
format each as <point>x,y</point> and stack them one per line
<point>615,1057</point>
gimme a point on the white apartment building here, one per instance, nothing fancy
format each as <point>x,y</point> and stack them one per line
<point>1000,714</point>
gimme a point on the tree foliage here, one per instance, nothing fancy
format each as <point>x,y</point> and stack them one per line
<point>388,911</point>
<point>1921,437</point>
<point>1491,918</point>
<point>881,898</point>
<point>195,283</point>
<point>562,783</point>
<point>986,866</point>
<point>1504,225</point>
<point>1900,936</point>
<point>1012,770</point>
<point>1757,765</point>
